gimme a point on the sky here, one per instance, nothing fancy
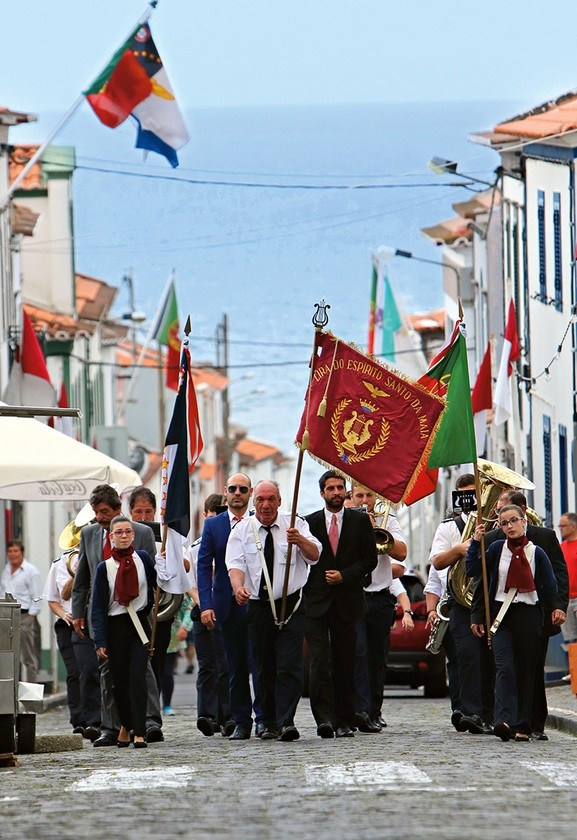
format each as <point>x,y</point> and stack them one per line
<point>271,52</point>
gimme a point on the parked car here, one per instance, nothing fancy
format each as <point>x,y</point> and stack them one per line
<point>409,663</point>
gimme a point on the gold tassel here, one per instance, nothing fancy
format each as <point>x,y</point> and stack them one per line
<point>305,440</point>
<point>322,409</point>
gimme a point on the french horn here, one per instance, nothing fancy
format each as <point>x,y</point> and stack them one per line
<point>494,480</point>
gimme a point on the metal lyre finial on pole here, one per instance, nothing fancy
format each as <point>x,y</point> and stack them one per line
<point>320,319</point>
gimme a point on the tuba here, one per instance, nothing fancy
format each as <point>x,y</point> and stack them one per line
<point>494,480</point>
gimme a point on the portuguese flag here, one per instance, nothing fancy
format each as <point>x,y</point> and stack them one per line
<point>134,83</point>
<point>448,377</point>
<point>165,332</point>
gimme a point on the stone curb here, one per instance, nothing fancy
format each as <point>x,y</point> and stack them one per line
<point>564,720</point>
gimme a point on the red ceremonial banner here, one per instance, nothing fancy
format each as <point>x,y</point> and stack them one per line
<point>377,426</point>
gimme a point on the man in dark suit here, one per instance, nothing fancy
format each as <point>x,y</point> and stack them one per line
<point>95,547</point>
<point>553,613</point>
<point>217,602</point>
<point>334,601</point>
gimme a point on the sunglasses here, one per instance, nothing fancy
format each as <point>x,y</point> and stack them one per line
<point>512,521</point>
<point>232,488</point>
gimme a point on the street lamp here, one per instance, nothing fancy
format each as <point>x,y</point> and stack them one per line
<point>442,166</point>
<point>387,253</point>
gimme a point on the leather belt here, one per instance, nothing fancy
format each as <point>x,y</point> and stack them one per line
<point>380,592</point>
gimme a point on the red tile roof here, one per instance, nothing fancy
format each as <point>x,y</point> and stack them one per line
<point>556,117</point>
<point>19,157</point>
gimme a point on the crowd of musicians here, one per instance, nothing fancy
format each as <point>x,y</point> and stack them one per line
<point>265,586</point>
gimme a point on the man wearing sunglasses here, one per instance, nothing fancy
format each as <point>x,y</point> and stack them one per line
<point>217,603</point>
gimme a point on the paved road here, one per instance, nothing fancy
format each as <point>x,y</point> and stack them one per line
<point>417,778</point>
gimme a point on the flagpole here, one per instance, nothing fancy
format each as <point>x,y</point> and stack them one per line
<point>320,320</point>
<point>151,330</point>
<point>187,328</point>
<point>60,125</point>
<point>483,558</point>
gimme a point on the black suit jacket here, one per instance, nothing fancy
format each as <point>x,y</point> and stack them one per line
<point>546,539</point>
<point>356,557</point>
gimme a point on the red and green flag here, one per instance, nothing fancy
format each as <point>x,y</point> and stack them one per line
<point>166,332</point>
<point>134,83</point>
<point>454,443</point>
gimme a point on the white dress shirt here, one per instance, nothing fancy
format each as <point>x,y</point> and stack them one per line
<point>382,574</point>
<point>447,536</point>
<point>25,585</point>
<point>242,553</point>
<point>58,577</point>
<point>437,582</point>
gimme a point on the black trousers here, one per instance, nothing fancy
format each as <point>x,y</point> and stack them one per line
<point>212,681</point>
<point>161,643</point>
<point>63,632</point>
<point>475,664</point>
<point>373,635</point>
<point>278,661</point>
<point>128,659</point>
<point>89,679</point>
<point>332,653</point>
<point>516,648</point>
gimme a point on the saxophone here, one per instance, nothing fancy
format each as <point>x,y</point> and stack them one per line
<point>440,626</point>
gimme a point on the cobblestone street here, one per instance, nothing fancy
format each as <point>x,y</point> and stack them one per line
<point>418,777</point>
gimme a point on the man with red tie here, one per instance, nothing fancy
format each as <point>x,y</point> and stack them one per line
<point>334,601</point>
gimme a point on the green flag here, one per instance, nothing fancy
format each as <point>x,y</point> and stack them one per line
<point>448,376</point>
<point>391,321</point>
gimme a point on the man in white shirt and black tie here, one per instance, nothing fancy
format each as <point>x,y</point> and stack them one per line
<point>256,557</point>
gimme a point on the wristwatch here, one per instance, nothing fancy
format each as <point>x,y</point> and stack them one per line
<point>410,612</point>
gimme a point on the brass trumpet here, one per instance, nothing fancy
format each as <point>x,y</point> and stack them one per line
<point>383,538</point>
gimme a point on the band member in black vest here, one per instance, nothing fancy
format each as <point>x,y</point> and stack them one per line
<point>474,660</point>
<point>335,600</point>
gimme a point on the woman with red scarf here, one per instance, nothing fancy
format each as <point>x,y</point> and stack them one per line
<point>517,567</point>
<point>122,597</point>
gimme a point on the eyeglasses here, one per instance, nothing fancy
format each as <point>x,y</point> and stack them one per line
<point>124,533</point>
<point>232,488</point>
<point>512,521</point>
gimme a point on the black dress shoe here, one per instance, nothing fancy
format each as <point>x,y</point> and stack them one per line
<point>123,743</point>
<point>154,735</point>
<point>140,745</point>
<point>241,733</point>
<point>472,724</point>
<point>344,732</point>
<point>227,729</point>
<point>289,733</point>
<point>260,729</point>
<point>78,730</point>
<point>539,736</point>
<point>365,724</point>
<point>206,726</point>
<point>381,721</point>
<point>268,734</point>
<point>456,718</point>
<point>107,739</point>
<point>91,733</point>
<point>502,731</point>
<point>325,730</point>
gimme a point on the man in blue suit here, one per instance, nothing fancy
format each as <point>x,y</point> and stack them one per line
<point>217,602</point>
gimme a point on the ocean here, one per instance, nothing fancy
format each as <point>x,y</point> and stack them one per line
<point>273,210</point>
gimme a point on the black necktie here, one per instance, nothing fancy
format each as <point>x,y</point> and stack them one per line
<point>269,559</point>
